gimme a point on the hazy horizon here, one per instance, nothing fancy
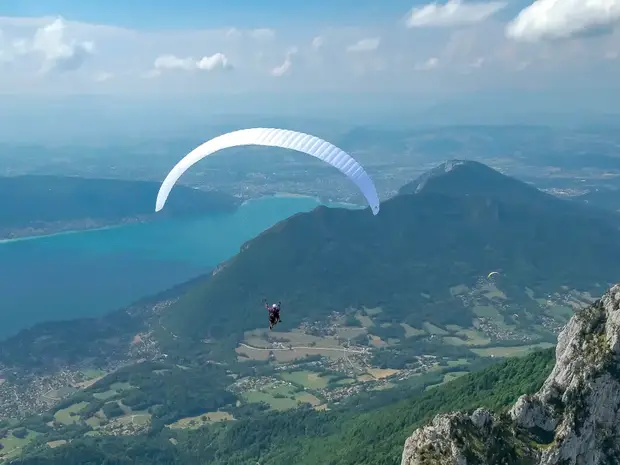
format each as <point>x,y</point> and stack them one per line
<point>69,71</point>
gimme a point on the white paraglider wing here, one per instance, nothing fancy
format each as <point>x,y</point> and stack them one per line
<point>283,138</point>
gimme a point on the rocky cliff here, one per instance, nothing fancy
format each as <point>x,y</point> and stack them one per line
<point>574,419</point>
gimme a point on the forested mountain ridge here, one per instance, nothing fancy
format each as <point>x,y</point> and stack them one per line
<point>439,239</point>
<point>45,204</point>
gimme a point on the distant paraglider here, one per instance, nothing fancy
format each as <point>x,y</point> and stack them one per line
<point>492,273</point>
<point>283,138</point>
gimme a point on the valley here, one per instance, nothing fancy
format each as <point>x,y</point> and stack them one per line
<point>319,364</point>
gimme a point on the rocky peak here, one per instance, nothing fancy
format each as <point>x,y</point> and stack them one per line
<point>574,419</point>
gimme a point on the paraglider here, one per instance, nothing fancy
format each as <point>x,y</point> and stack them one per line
<point>283,138</point>
<point>274,313</point>
<point>492,273</point>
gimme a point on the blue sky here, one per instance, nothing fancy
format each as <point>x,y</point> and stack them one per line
<point>428,53</point>
<point>201,14</point>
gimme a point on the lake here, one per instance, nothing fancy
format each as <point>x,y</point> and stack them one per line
<point>90,273</point>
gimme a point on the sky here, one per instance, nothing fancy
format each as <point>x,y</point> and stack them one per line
<point>404,51</point>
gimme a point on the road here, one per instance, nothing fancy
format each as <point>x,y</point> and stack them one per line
<point>339,349</point>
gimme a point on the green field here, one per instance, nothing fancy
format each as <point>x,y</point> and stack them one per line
<point>510,351</point>
<point>307,379</point>
<point>13,445</point>
<point>290,399</point>
<point>136,418</point>
<point>344,382</point>
<point>410,331</point>
<point>454,341</point>
<point>64,416</point>
<point>453,375</point>
<point>201,420</point>
<point>96,420</point>
<point>365,321</point>
<point>461,362</point>
<point>93,373</point>
<point>473,338</point>
<point>432,329</point>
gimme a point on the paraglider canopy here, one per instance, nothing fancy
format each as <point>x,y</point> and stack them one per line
<point>283,138</point>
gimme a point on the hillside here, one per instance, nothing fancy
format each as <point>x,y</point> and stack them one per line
<point>572,419</point>
<point>47,204</point>
<point>426,251</point>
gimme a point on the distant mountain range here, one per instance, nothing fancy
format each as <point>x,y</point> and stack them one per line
<point>38,205</point>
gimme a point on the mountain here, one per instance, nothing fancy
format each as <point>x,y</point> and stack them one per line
<point>461,177</point>
<point>574,418</point>
<point>47,204</point>
<point>470,178</point>
<point>409,260</point>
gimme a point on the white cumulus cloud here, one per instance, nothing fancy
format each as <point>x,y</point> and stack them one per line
<point>207,63</point>
<point>564,19</point>
<point>53,45</point>
<point>365,45</point>
<point>453,13</point>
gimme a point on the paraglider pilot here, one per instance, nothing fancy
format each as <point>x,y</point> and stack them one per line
<point>274,313</point>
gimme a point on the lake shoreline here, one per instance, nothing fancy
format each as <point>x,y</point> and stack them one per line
<point>245,203</point>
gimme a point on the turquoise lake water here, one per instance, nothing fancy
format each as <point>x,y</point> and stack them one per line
<point>91,273</point>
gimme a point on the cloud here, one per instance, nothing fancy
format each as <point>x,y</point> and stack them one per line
<point>51,43</point>
<point>453,13</point>
<point>428,65</point>
<point>564,19</point>
<point>286,67</point>
<point>318,42</point>
<point>108,59</point>
<point>365,45</point>
<point>206,63</point>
